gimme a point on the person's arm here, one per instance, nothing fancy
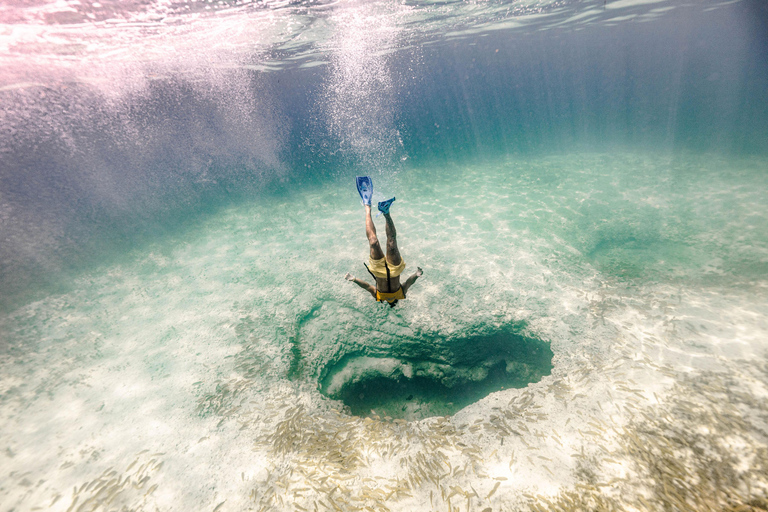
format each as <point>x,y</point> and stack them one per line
<point>412,279</point>
<point>362,284</point>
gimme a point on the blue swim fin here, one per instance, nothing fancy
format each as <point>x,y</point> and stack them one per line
<point>365,188</point>
<point>384,206</point>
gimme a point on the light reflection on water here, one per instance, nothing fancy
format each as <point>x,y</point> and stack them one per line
<point>269,35</point>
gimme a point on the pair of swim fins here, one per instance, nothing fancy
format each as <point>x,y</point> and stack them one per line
<point>365,189</point>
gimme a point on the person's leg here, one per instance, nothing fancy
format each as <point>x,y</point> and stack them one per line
<point>370,232</point>
<point>393,254</point>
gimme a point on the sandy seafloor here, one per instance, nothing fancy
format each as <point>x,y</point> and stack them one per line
<point>185,377</point>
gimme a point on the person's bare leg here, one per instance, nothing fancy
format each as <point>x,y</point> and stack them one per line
<point>370,232</point>
<point>393,254</point>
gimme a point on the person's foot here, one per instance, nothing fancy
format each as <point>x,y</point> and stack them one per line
<point>419,272</point>
<point>384,206</point>
<point>349,277</point>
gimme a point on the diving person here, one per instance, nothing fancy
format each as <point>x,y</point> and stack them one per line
<point>385,270</point>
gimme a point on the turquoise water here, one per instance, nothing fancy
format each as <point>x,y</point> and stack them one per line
<point>583,184</point>
<point>184,348</point>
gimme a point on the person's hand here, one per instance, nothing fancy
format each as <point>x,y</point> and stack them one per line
<point>419,271</point>
<point>349,277</point>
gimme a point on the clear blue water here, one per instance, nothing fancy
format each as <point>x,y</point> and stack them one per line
<point>583,183</point>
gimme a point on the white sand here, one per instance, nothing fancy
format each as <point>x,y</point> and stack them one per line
<point>645,275</point>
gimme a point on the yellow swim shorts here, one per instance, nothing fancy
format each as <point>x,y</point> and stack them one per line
<point>379,267</point>
<point>390,297</point>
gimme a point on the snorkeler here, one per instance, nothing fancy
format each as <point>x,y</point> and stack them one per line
<point>385,270</point>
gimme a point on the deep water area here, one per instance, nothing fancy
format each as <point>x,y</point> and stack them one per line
<point>584,185</point>
<point>435,379</point>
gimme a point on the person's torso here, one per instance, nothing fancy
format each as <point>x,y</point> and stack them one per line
<point>381,284</point>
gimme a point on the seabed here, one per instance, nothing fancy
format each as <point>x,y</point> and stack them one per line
<point>547,360</point>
